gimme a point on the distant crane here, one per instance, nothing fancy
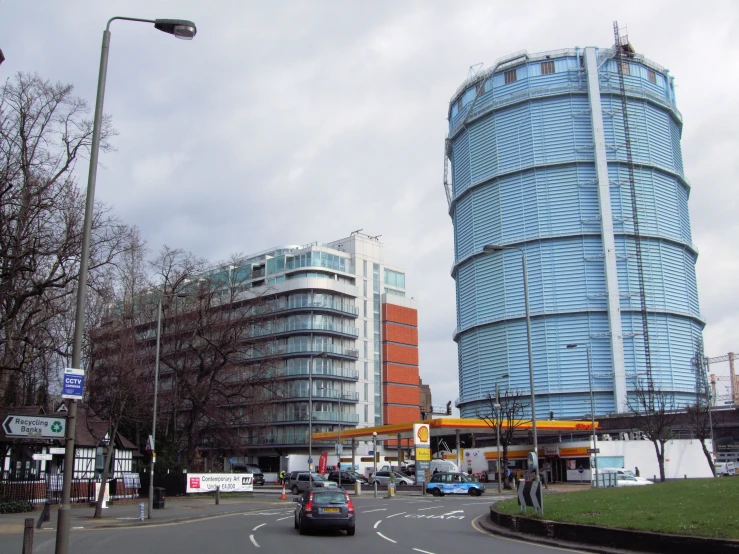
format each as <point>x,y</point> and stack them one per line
<point>733,385</point>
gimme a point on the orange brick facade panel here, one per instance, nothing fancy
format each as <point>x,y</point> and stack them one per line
<point>398,394</point>
<point>400,354</point>
<point>403,375</point>
<point>400,414</point>
<point>400,333</point>
<point>400,314</point>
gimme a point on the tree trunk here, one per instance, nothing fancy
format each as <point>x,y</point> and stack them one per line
<point>106,471</point>
<point>504,468</point>
<point>708,456</point>
<point>659,447</point>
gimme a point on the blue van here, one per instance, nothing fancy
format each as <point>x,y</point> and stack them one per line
<point>453,483</point>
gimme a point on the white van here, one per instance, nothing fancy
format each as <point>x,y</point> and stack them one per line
<point>724,469</point>
<point>444,466</point>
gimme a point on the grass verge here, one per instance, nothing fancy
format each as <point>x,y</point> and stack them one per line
<point>699,507</point>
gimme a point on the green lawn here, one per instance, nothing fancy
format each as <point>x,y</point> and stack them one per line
<point>701,507</point>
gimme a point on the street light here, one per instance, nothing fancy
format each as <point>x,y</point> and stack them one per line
<point>489,249</point>
<point>310,414</point>
<point>592,408</point>
<point>181,29</point>
<point>374,459</point>
<point>497,426</point>
<point>156,390</point>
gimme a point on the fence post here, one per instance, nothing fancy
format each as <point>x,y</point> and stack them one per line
<point>218,495</point>
<point>28,536</point>
<point>45,515</point>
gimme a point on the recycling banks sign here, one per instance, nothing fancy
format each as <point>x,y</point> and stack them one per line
<point>34,426</point>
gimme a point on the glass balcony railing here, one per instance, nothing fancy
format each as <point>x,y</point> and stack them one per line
<point>297,302</point>
<point>330,394</point>
<point>274,328</point>
<point>317,416</point>
<point>320,372</point>
<point>312,351</point>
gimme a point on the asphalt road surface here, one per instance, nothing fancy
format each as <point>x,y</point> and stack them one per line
<point>408,525</point>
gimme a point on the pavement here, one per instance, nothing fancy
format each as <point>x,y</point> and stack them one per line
<point>125,513</point>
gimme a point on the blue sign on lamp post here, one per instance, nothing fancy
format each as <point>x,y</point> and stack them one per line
<point>73,383</point>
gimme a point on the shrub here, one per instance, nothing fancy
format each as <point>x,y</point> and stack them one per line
<point>15,506</point>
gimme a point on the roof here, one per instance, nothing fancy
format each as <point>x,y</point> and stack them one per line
<point>447,425</point>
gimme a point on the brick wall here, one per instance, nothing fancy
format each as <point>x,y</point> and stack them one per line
<point>404,375</point>
<point>401,354</point>
<point>400,314</point>
<point>401,414</point>
<point>400,333</point>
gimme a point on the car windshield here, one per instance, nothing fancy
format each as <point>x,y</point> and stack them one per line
<point>399,474</point>
<point>317,477</point>
<point>322,498</point>
<point>629,473</point>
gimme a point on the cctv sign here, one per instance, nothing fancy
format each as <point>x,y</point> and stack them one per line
<point>73,383</point>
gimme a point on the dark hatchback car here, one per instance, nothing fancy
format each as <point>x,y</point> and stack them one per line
<point>346,478</point>
<point>324,509</point>
<point>248,468</point>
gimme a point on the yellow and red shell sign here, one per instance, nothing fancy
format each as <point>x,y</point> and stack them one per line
<point>421,434</point>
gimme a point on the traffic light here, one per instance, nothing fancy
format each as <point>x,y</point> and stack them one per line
<point>551,415</point>
<point>449,408</point>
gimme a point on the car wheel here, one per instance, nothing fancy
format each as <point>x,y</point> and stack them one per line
<point>478,492</point>
<point>295,489</point>
<point>401,483</point>
<point>436,492</point>
<point>302,528</point>
<point>351,531</point>
<point>296,521</point>
<point>471,492</point>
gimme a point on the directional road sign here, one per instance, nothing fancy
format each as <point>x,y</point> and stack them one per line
<point>593,450</point>
<point>34,426</point>
<point>529,494</point>
<point>73,383</point>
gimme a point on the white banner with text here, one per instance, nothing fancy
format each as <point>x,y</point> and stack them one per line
<point>228,482</point>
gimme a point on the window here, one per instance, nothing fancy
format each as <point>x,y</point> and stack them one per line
<point>626,68</point>
<point>510,76</point>
<point>547,68</point>
<point>652,76</point>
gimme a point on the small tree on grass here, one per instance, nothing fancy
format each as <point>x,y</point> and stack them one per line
<point>654,416</point>
<point>699,414</point>
<point>507,419</point>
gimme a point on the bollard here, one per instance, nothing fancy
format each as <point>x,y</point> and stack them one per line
<point>685,476</point>
<point>45,515</point>
<point>218,495</point>
<point>28,536</point>
<point>141,511</point>
<point>375,489</point>
<point>654,480</point>
<point>357,488</point>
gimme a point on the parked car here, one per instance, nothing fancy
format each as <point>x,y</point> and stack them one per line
<point>624,477</point>
<point>359,477</point>
<point>249,468</point>
<point>347,478</point>
<point>383,478</point>
<point>325,509</point>
<point>305,481</point>
<point>453,483</point>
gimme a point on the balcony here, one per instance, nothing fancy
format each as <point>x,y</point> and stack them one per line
<point>284,328</point>
<point>341,373</point>
<point>309,351</point>
<point>321,394</point>
<point>317,416</point>
<point>300,304</point>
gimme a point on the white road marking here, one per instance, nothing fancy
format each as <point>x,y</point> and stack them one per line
<point>288,517</point>
<point>377,510</point>
<point>419,501</point>
<point>424,551</point>
<point>253,541</point>
<point>398,514</point>
<point>377,523</point>
<point>454,512</point>
<point>258,526</point>
<point>387,539</point>
<point>430,508</point>
<point>127,518</point>
<point>77,527</point>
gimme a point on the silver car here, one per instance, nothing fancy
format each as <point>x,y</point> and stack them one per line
<point>383,478</point>
<point>304,481</point>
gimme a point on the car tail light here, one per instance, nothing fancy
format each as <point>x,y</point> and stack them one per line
<point>309,505</point>
<point>349,504</point>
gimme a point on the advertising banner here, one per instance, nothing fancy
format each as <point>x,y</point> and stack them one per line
<point>323,463</point>
<point>423,454</point>
<point>228,482</point>
<point>421,434</point>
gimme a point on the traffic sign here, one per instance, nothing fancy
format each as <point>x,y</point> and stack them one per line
<point>39,457</point>
<point>73,383</point>
<point>593,450</point>
<point>34,426</point>
<point>529,494</point>
<point>339,449</point>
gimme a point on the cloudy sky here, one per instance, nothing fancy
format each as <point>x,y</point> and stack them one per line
<point>291,122</point>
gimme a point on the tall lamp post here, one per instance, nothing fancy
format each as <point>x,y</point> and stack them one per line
<point>489,249</point>
<point>310,414</point>
<point>592,408</point>
<point>499,417</point>
<point>181,29</point>
<point>156,391</point>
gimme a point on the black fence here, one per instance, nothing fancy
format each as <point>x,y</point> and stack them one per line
<point>50,489</point>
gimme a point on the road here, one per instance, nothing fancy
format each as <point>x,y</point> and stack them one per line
<point>408,525</point>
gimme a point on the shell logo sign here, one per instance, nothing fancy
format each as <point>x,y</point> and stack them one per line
<point>421,434</point>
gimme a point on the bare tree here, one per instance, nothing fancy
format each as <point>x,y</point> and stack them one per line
<point>43,132</point>
<point>654,415</point>
<point>506,419</point>
<point>699,413</point>
<point>215,375</point>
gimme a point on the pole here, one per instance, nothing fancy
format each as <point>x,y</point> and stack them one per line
<point>338,447</point>
<point>154,418</point>
<point>531,361</point>
<point>497,432</point>
<point>592,415</point>
<point>374,460</point>
<point>310,419</point>
<point>62,532</point>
